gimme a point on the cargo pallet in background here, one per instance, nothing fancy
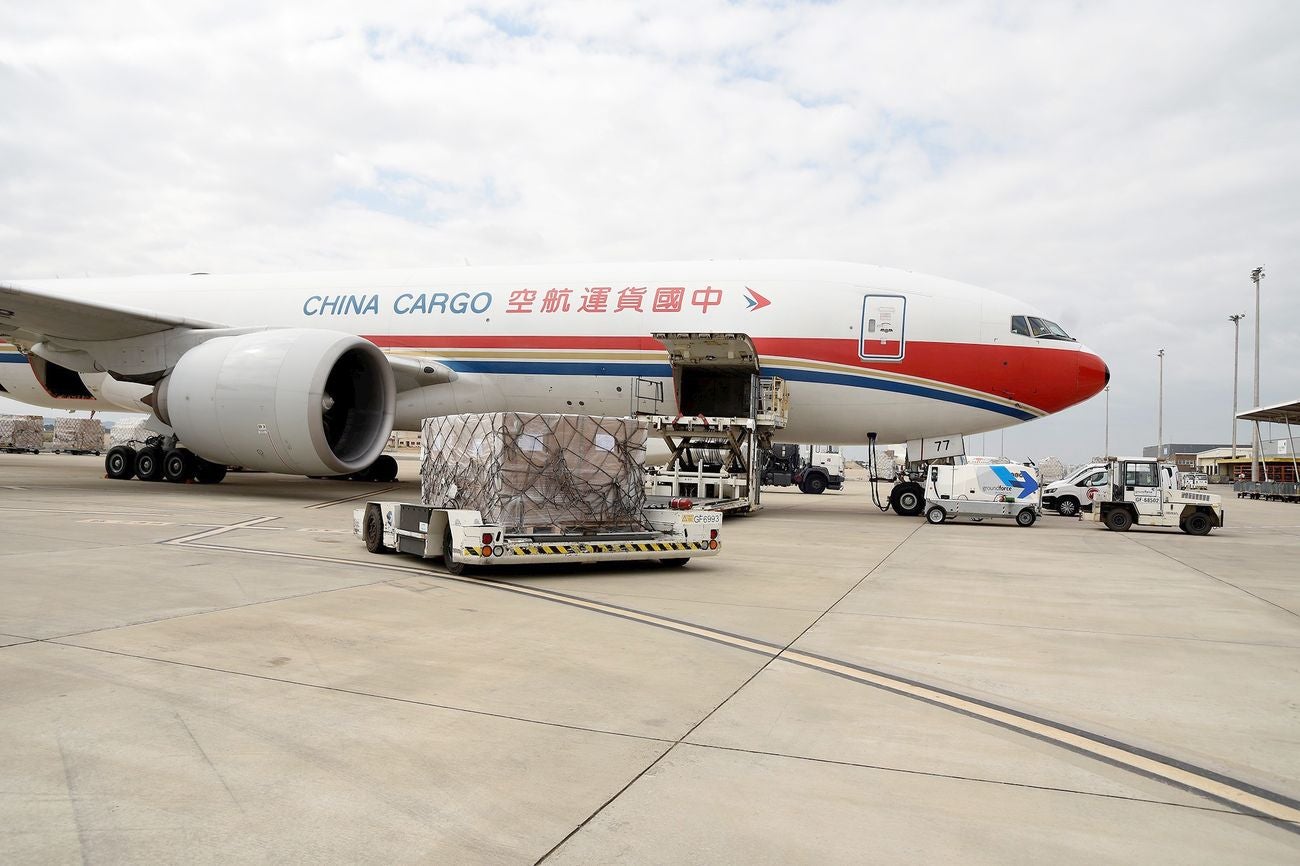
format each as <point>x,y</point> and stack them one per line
<point>21,434</point>
<point>78,436</point>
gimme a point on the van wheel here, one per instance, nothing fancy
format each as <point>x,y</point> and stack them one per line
<point>1067,506</point>
<point>1198,523</point>
<point>447,562</point>
<point>1026,517</point>
<point>936,515</point>
<point>675,563</point>
<point>372,530</point>
<point>1119,520</point>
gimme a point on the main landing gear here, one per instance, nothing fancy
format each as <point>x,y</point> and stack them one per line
<point>155,463</point>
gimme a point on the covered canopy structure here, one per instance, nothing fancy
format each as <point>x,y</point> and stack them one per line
<point>1281,413</point>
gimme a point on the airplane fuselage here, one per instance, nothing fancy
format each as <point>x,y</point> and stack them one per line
<point>864,349</point>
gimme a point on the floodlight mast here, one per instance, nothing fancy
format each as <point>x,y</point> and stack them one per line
<point>1236,356</point>
<point>1256,457</point>
<point>1160,408</point>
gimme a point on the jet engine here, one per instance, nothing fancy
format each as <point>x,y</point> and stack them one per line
<point>301,402</point>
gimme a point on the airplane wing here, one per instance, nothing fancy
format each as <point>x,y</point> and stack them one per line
<point>29,316</point>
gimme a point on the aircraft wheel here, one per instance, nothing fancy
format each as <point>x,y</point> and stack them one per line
<point>149,463</point>
<point>372,529</point>
<point>207,472</point>
<point>1119,520</point>
<point>447,562</point>
<point>384,469</point>
<point>1198,523</point>
<point>1026,517</point>
<point>906,499</point>
<point>1067,506</point>
<point>936,515</point>
<point>120,462</point>
<point>178,465</point>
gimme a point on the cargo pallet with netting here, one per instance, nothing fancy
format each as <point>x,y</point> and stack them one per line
<point>21,434</point>
<point>514,488</point>
<point>78,436</point>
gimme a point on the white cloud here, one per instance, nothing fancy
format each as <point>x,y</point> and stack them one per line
<point>1122,165</point>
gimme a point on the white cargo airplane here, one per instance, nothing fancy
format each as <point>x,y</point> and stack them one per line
<point>308,373</point>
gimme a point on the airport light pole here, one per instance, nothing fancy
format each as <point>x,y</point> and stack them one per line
<point>1236,355</point>
<point>1106,451</point>
<point>1255,455</point>
<point>1160,408</point>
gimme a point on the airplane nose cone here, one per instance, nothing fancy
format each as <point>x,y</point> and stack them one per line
<point>1093,374</point>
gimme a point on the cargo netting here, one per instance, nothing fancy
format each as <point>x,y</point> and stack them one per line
<point>133,433</point>
<point>22,432</point>
<point>527,472</point>
<point>78,434</point>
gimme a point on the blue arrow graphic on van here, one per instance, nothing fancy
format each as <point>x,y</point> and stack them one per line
<point>1025,481</point>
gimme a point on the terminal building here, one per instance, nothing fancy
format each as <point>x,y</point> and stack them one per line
<point>1278,462</point>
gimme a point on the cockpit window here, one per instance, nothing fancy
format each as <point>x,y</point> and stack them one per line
<point>1050,330</point>
<point>1032,326</point>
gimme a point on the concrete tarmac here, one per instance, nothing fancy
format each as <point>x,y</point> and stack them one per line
<point>223,674</point>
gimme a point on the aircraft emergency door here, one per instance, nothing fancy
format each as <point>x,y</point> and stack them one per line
<point>883,318</point>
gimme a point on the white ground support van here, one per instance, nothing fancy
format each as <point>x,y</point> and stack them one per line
<point>1076,493</point>
<point>1143,493</point>
<point>1007,491</point>
<point>1076,490</point>
<point>462,538</point>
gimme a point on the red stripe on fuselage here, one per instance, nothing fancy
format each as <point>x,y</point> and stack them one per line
<point>1045,378</point>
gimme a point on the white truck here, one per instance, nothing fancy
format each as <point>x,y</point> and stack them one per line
<point>976,491</point>
<point>822,469</point>
<point>1140,491</point>
<point>461,538</point>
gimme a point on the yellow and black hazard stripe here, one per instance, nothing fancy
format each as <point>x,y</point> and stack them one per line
<point>610,547</point>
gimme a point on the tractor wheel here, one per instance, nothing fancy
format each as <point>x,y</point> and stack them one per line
<point>1119,520</point>
<point>372,530</point>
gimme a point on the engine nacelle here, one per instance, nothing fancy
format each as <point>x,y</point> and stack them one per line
<point>297,401</point>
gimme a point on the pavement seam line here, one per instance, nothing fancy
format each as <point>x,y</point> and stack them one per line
<point>1244,796</point>
<point>749,679</point>
<point>1220,810</point>
<point>356,692</point>
<point>1221,580</point>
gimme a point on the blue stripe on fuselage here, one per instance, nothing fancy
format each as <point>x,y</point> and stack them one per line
<point>12,358</point>
<point>653,370</point>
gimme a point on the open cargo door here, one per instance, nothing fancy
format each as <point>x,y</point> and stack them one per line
<point>713,374</point>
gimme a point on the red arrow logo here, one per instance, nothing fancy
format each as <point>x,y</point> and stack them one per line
<point>755,301</point>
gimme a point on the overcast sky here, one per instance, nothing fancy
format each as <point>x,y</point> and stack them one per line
<point>1122,166</point>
